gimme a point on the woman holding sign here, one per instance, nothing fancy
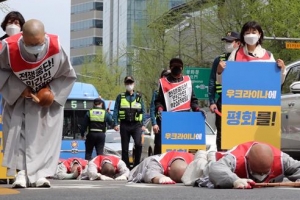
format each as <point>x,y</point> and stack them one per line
<point>251,50</point>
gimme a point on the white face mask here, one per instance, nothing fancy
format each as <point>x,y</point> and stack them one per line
<point>130,87</point>
<point>260,177</point>
<point>12,29</point>
<point>229,47</point>
<point>34,49</point>
<point>251,39</point>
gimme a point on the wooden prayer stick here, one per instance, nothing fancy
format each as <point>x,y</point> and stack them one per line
<point>35,98</point>
<point>285,184</point>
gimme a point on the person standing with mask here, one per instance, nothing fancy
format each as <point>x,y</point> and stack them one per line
<point>172,100</point>
<point>96,121</point>
<point>232,41</point>
<point>129,111</point>
<point>12,24</point>
<point>155,120</point>
<point>29,61</point>
<point>252,37</point>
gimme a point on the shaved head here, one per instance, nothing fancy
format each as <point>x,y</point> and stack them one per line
<point>108,170</point>
<point>260,158</point>
<point>74,167</point>
<point>33,32</point>
<point>177,169</point>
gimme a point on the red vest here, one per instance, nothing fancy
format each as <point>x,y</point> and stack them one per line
<point>239,152</point>
<point>34,74</point>
<point>99,161</point>
<point>169,157</point>
<point>177,95</point>
<point>241,56</point>
<point>69,162</point>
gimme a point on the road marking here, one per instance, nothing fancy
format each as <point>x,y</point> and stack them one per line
<point>288,188</point>
<point>74,186</point>
<point>143,185</point>
<point>6,191</point>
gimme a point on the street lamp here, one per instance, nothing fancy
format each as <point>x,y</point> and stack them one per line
<point>181,27</point>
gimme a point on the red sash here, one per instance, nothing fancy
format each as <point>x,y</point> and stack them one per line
<point>177,95</point>
<point>241,56</point>
<point>239,152</point>
<point>100,160</point>
<point>68,163</point>
<point>169,157</point>
<point>34,74</point>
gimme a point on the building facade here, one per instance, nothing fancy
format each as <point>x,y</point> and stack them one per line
<point>120,17</point>
<point>86,30</point>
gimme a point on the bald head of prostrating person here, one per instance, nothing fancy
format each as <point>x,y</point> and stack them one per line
<point>177,169</point>
<point>260,160</point>
<point>34,36</point>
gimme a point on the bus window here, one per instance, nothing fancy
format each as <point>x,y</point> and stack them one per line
<point>72,123</point>
<point>80,100</point>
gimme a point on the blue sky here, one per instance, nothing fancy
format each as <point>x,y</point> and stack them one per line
<point>55,14</point>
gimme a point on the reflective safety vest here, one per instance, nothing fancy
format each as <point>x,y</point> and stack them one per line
<point>218,85</point>
<point>97,120</point>
<point>131,111</point>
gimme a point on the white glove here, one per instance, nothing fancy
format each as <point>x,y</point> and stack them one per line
<point>166,180</point>
<point>121,178</point>
<point>105,178</point>
<point>94,176</point>
<point>243,183</point>
<point>77,172</point>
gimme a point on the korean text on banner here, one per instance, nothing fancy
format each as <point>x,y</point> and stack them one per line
<point>251,103</point>
<point>183,131</point>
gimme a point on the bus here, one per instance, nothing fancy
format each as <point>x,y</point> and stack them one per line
<point>80,100</point>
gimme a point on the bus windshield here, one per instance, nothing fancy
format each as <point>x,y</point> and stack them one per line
<point>78,103</point>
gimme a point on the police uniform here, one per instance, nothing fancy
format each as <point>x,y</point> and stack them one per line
<point>95,119</point>
<point>129,111</point>
<point>216,88</point>
<point>214,85</point>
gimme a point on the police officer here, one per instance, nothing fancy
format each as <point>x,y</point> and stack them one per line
<point>129,110</point>
<point>232,41</point>
<point>95,119</point>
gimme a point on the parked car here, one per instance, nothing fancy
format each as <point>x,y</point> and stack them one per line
<point>113,143</point>
<point>148,146</point>
<point>290,110</point>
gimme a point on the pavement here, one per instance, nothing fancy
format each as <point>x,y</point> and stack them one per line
<point>114,190</point>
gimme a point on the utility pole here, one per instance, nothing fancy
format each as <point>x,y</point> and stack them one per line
<point>281,38</point>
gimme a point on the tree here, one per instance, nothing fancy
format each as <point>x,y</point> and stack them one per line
<point>276,17</point>
<point>106,79</point>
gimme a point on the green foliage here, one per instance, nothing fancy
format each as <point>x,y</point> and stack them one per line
<point>106,79</point>
<point>277,18</point>
<point>199,41</point>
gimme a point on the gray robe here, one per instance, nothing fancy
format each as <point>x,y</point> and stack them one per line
<point>32,134</point>
<point>148,169</point>
<point>221,173</point>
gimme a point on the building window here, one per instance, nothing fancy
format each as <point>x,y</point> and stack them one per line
<point>87,24</point>
<point>85,42</point>
<point>86,7</point>
<point>79,60</point>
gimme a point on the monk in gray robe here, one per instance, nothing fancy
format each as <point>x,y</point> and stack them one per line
<point>32,133</point>
<point>252,162</point>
